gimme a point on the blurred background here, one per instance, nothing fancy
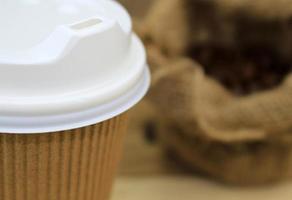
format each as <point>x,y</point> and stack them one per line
<point>217,122</point>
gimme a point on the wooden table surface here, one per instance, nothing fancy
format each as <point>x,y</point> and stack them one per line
<point>145,174</point>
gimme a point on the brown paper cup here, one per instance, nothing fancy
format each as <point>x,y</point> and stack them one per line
<point>77,164</point>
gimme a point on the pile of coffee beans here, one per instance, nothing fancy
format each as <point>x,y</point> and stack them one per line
<point>242,70</point>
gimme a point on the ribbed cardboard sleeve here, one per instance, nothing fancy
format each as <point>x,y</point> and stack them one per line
<point>78,164</point>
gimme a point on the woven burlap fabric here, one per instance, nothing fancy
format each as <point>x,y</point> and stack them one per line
<point>242,140</point>
<point>251,163</point>
<point>174,25</point>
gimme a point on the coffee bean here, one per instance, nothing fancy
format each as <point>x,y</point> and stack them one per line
<point>242,71</point>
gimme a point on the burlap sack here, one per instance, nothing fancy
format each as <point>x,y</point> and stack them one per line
<point>242,140</point>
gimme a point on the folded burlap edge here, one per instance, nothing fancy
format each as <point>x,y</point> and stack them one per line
<point>211,109</point>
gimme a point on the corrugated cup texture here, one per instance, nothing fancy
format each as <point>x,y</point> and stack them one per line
<point>77,164</point>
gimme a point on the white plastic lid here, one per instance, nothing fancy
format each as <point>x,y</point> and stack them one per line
<point>66,64</point>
